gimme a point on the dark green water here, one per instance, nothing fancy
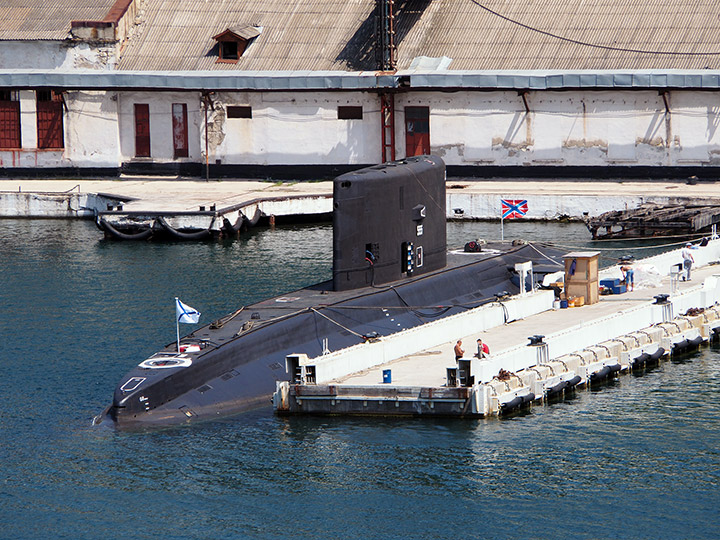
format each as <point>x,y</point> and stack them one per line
<point>637,459</point>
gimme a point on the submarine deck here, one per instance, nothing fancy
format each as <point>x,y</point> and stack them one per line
<point>322,295</point>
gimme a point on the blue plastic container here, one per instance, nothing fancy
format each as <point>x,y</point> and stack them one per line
<point>563,304</point>
<point>387,376</point>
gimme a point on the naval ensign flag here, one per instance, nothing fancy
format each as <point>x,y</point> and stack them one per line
<point>184,314</point>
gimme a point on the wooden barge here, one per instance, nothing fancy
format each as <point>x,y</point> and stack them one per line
<point>654,220</point>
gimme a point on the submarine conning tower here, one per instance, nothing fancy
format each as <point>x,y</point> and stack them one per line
<point>389,222</point>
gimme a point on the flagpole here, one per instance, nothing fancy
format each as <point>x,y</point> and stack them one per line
<point>177,325</point>
<point>502,226</point>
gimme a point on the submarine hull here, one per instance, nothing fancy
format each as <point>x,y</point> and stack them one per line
<point>236,366</point>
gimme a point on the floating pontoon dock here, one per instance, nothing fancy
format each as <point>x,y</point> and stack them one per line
<point>538,352</point>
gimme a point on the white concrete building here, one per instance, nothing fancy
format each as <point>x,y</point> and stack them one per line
<point>248,88</point>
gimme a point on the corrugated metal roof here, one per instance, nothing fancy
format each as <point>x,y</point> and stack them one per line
<point>340,34</point>
<point>565,34</point>
<point>297,34</point>
<point>476,34</point>
<point>46,20</point>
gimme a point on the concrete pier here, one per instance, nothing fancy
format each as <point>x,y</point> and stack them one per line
<point>181,204</point>
<point>574,347</point>
<point>467,198</point>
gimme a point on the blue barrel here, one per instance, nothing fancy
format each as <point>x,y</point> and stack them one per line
<point>387,376</point>
<point>563,304</point>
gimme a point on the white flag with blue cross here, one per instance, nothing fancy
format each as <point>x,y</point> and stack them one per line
<point>186,314</point>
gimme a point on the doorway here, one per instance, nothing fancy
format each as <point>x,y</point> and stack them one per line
<point>417,131</point>
<point>142,130</point>
<point>179,130</point>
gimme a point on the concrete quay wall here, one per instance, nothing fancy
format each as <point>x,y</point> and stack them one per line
<point>484,206</point>
<point>55,205</point>
<point>465,199</point>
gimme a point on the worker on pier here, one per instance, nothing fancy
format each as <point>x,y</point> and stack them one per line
<point>628,272</point>
<point>459,351</point>
<point>482,349</point>
<point>688,260</point>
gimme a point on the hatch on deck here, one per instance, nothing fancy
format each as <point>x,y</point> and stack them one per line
<point>166,360</point>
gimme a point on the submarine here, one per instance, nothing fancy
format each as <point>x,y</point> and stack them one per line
<point>391,271</point>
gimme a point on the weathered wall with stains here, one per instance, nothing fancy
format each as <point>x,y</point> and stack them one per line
<point>571,128</point>
<point>161,131</point>
<point>296,128</point>
<point>92,138</point>
<point>574,128</point>
<point>90,133</point>
<point>475,128</point>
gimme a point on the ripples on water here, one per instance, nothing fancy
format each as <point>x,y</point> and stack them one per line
<point>636,459</point>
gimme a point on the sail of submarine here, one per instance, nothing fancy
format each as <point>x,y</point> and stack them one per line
<point>389,258</point>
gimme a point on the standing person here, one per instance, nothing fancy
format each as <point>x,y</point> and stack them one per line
<point>628,273</point>
<point>482,349</point>
<point>688,260</point>
<point>459,351</point>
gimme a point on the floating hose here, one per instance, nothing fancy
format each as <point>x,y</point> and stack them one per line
<point>185,236</point>
<point>229,228</point>
<point>105,226</point>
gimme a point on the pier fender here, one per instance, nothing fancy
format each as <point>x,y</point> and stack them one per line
<point>603,373</point>
<point>516,402</point>
<point>511,405</point>
<point>103,225</point>
<point>715,333</point>
<point>657,354</point>
<point>556,389</point>
<point>256,217</point>
<point>574,381</point>
<point>640,360</point>
<point>185,236</point>
<point>478,399</point>
<point>710,330</point>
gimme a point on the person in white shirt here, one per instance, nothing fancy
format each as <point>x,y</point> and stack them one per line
<point>688,260</point>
